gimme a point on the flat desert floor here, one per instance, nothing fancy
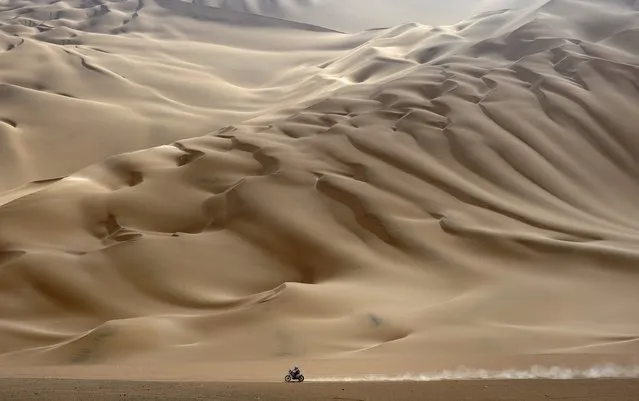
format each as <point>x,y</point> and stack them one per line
<point>480,390</point>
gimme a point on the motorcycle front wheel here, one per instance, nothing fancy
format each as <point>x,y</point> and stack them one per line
<point>301,378</point>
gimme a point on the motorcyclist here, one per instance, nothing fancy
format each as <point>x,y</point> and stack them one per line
<point>295,372</point>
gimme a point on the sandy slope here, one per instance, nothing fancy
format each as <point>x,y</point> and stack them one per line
<point>428,195</point>
<point>138,75</point>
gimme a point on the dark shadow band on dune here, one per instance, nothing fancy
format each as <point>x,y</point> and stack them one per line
<point>196,9</point>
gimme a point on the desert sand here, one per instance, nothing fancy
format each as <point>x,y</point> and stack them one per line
<point>529,390</point>
<point>198,192</point>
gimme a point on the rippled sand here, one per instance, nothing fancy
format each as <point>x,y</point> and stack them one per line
<point>184,184</point>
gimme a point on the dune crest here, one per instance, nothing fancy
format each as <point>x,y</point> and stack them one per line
<point>461,192</point>
<point>357,15</point>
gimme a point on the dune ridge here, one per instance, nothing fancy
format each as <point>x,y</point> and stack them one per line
<point>460,191</point>
<point>356,15</point>
<point>142,80</point>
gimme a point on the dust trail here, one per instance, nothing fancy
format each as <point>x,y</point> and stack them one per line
<point>535,372</point>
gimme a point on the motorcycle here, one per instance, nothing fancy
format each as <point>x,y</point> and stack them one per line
<point>290,376</point>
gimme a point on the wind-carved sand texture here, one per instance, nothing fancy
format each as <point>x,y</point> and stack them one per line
<point>184,184</point>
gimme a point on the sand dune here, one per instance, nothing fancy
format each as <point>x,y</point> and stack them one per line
<point>149,78</point>
<point>357,15</point>
<point>186,184</point>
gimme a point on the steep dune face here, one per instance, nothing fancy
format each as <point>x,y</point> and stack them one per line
<point>456,192</point>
